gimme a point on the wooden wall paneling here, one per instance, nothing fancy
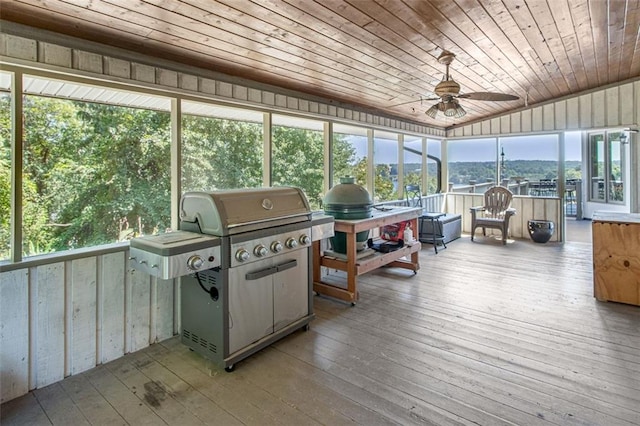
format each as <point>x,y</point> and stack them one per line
<point>167,78</point>
<point>268,98</point>
<point>516,125</point>
<point>476,129</point>
<point>240,92</point>
<point>14,334</point>
<point>21,48</point>
<point>138,310</point>
<point>486,127</point>
<point>164,308</point>
<point>87,61</point>
<point>464,202</point>
<point>111,305</point>
<point>207,85</point>
<point>188,82</point>
<point>526,213</point>
<point>254,95</point>
<point>48,307</point>
<point>53,54</point>
<point>549,117</point>
<point>153,290</point>
<point>626,104</point>
<point>224,89</point>
<point>598,108</point>
<point>525,120</point>
<point>292,103</point>
<point>554,207</point>
<point>505,124</point>
<point>515,226</point>
<point>573,113</point>
<point>117,67</point>
<point>83,314</point>
<point>612,99</point>
<point>560,118</point>
<point>495,126</point>
<point>585,111</point>
<point>142,72</point>
<point>3,44</point>
<point>536,119</point>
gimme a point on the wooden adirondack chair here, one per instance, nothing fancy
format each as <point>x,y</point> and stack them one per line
<point>495,213</point>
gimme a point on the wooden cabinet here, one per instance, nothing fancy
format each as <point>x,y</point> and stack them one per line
<point>616,257</point>
<point>354,266</point>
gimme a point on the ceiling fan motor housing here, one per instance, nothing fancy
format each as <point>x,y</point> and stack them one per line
<point>447,88</point>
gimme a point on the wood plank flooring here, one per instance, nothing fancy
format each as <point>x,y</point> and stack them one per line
<point>483,334</point>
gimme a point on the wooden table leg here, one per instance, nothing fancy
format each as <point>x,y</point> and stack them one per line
<point>351,266</point>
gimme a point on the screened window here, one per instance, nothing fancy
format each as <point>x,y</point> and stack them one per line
<point>5,166</point>
<point>385,159</point>
<point>472,164</point>
<point>413,161</point>
<point>434,168</point>
<point>222,148</point>
<point>94,172</point>
<point>298,155</point>
<point>349,153</point>
<point>529,164</point>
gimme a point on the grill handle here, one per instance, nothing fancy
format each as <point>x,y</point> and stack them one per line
<point>271,270</point>
<point>287,265</point>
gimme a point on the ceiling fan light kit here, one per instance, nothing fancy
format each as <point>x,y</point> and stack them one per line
<point>448,91</point>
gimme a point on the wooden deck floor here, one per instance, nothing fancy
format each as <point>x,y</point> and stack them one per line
<point>484,334</point>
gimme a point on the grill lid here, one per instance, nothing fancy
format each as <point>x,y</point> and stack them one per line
<point>227,212</point>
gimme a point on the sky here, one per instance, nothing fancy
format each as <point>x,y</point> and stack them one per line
<point>536,147</point>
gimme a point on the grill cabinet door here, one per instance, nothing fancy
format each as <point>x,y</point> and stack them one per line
<point>250,303</point>
<point>291,289</point>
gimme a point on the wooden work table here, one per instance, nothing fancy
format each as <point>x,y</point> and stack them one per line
<point>354,266</point>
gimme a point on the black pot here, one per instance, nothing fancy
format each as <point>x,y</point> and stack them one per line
<point>541,231</point>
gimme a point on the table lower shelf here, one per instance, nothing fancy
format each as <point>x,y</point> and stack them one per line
<point>364,265</point>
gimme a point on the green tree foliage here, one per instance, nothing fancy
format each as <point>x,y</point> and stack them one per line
<point>383,183</point>
<point>345,161</point>
<point>220,154</point>
<point>298,160</point>
<point>5,176</point>
<point>93,174</point>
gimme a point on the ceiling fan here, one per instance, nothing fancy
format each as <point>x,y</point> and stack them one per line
<point>448,92</point>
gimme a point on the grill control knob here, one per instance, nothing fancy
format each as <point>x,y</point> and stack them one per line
<point>260,250</point>
<point>291,243</point>
<point>304,239</point>
<point>194,262</point>
<point>276,246</point>
<point>242,255</point>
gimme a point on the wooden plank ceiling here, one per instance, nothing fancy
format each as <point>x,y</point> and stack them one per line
<point>378,54</point>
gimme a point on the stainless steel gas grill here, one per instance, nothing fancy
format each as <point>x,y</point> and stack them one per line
<point>262,290</point>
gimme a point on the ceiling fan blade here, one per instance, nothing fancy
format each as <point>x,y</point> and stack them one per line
<point>416,100</point>
<point>488,96</point>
